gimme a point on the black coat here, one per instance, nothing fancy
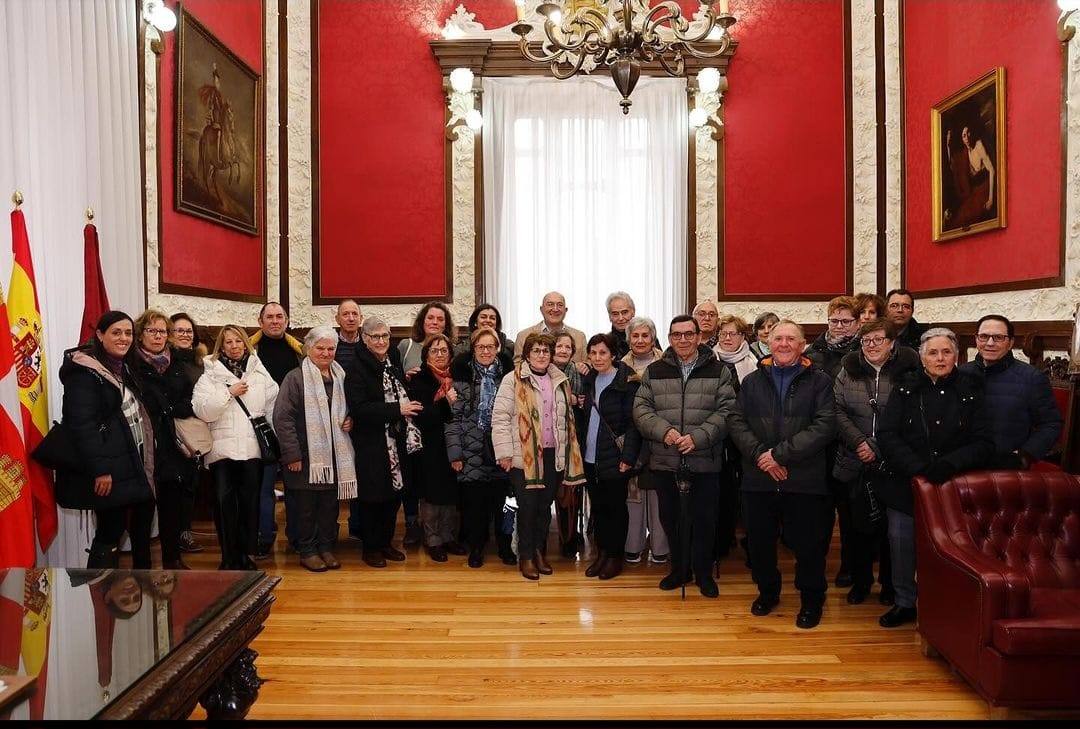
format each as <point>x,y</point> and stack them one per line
<point>1020,407</point>
<point>798,431</point>
<point>912,334</point>
<point>829,360</point>
<point>100,434</point>
<point>437,482</point>
<point>165,397</point>
<point>936,430</point>
<point>622,347</point>
<point>371,414</point>
<point>466,441</point>
<point>616,407</point>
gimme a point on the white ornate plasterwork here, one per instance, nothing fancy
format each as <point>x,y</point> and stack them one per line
<point>205,310</point>
<point>706,193</point>
<point>864,146</point>
<point>1056,304</point>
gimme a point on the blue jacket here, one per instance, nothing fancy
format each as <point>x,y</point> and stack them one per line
<point>1020,407</point>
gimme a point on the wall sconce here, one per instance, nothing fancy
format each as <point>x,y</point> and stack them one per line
<point>461,100</point>
<point>461,80</point>
<point>708,80</point>
<point>157,14</point>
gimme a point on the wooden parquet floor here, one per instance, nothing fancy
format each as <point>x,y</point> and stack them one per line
<point>423,640</point>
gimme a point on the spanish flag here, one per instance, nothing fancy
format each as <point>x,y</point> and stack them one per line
<point>28,342</point>
<point>16,504</point>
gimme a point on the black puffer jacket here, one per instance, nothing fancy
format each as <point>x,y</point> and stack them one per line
<point>616,408</point>
<point>371,414</point>
<point>912,334</point>
<point>932,429</point>
<point>828,359</point>
<point>466,441</point>
<point>798,431</point>
<point>165,396</point>
<point>436,481</point>
<point>93,416</point>
<point>856,418</point>
<point>699,406</point>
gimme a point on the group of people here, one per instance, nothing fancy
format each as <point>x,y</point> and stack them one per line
<point>481,435</point>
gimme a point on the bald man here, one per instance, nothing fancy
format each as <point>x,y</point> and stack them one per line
<point>348,318</point>
<point>553,310</point>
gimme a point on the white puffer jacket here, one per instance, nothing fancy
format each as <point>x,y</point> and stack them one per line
<point>234,438</point>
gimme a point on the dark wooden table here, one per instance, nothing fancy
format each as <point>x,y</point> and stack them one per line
<point>161,641</point>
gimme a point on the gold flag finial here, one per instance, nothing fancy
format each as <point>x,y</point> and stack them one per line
<point>17,198</point>
<point>89,215</point>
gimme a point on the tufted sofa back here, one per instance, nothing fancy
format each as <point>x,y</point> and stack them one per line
<point>1028,520</point>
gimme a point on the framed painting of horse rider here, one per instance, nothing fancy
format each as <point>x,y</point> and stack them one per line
<point>967,139</point>
<point>218,131</point>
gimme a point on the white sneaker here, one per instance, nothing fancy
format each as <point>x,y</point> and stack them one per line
<point>659,558</point>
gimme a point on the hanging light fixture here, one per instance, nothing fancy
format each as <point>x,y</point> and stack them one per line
<point>624,34</point>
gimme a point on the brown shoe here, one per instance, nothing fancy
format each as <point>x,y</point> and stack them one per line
<point>594,569</point>
<point>313,563</point>
<point>331,560</point>
<point>528,569</point>
<point>374,559</point>
<point>612,568</point>
<point>542,565</point>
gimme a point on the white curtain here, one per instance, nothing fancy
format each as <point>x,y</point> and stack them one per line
<point>69,139</point>
<point>582,199</point>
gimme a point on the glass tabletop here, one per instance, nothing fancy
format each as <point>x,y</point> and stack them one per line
<point>88,635</point>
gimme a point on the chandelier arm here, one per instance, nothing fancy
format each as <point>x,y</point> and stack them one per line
<point>709,27</point>
<point>537,58</point>
<point>563,75</point>
<point>724,46</point>
<point>570,44</point>
<point>677,69</point>
<point>655,16</point>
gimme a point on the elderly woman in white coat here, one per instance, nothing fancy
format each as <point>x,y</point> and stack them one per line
<point>233,372</point>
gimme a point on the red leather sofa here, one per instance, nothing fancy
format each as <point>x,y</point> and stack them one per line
<point>998,555</point>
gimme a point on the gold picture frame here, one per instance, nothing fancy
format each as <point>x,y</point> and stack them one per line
<point>967,150</point>
<point>219,139</point>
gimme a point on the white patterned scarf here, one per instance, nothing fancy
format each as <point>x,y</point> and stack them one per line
<point>394,391</point>
<point>327,443</point>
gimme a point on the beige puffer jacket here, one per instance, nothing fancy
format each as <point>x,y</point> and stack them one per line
<point>504,416</point>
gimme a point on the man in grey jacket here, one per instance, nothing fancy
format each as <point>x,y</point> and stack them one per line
<point>682,408</point>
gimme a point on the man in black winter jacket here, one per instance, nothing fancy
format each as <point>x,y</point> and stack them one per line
<point>900,310</point>
<point>783,421</point>
<point>681,408</point>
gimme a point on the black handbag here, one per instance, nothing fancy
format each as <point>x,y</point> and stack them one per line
<point>264,435</point>
<point>867,511</point>
<point>57,450</point>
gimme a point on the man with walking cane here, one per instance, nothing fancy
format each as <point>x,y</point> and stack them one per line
<point>682,408</point>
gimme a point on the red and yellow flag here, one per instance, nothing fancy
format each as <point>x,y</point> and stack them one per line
<point>28,342</point>
<point>16,505</point>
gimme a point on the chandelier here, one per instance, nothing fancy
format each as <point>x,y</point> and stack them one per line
<point>624,34</point>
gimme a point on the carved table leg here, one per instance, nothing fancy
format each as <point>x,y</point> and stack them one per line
<point>232,695</point>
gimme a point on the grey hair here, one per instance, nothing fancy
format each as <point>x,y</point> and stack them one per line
<point>641,321</point>
<point>619,295</point>
<point>372,323</point>
<point>317,333</point>
<point>938,332</point>
<point>702,303</point>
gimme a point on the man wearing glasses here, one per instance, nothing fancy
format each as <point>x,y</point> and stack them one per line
<point>1024,418</point>
<point>682,408</point>
<point>900,310</point>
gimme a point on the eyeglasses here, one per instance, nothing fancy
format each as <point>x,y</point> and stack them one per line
<point>873,341</point>
<point>183,332</point>
<point>485,347</point>
<point>539,350</point>
<point>682,335</point>
<point>156,332</point>
<point>984,338</point>
<point>729,335</point>
<point>441,350</point>
<point>898,306</point>
<point>841,322</point>
<point>706,315</point>
<point>379,337</point>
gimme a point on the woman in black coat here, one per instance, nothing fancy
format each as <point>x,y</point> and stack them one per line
<point>437,483</point>
<point>486,316</point>
<point>187,347</point>
<point>165,387</point>
<point>933,426</point>
<point>383,436</point>
<point>604,421</point>
<point>114,441</point>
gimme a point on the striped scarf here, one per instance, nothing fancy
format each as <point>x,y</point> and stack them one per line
<point>530,429</point>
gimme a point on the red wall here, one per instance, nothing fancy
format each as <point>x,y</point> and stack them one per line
<point>381,149</point>
<point>947,45</point>
<point>194,252</point>
<point>786,151</point>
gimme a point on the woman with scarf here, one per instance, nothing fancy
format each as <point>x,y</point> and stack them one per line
<point>383,436</point>
<point>468,441</point>
<point>827,352</point>
<point>642,504</point>
<point>312,425</point>
<point>433,388</point>
<point>231,374</point>
<point>113,437</point>
<point>535,440</point>
<point>187,347</point>
<point>568,503</point>
<point>166,389</point>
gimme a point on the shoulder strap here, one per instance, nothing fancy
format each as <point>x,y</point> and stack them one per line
<point>240,402</point>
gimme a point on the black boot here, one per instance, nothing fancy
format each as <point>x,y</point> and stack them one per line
<point>103,556</point>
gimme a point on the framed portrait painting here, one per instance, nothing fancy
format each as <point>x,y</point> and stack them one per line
<point>219,145</point>
<point>967,139</point>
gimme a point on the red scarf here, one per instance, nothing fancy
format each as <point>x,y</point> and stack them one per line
<point>443,377</point>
